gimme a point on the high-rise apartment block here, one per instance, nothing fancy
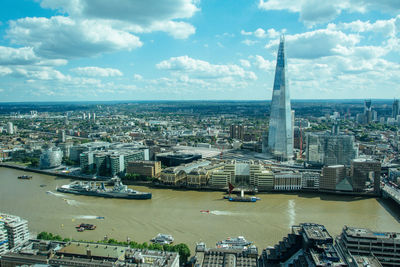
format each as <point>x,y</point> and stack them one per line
<point>280,134</point>
<point>236,131</point>
<point>10,127</point>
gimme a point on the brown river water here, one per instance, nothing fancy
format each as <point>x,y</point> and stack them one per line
<point>178,213</point>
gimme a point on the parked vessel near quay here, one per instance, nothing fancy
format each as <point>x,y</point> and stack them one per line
<point>119,190</point>
<point>234,243</point>
<point>162,239</point>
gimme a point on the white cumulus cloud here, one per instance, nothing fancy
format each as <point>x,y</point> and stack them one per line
<point>204,69</point>
<point>97,72</point>
<point>137,15</point>
<point>62,37</point>
<point>315,44</point>
<point>315,11</point>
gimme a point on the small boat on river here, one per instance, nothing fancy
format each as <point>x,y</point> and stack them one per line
<point>25,177</point>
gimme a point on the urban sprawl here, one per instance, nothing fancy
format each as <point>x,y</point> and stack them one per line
<point>328,147</point>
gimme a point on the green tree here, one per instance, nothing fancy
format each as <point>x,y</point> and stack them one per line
<point>34,162</point>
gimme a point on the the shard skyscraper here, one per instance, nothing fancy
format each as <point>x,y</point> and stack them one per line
<point>280,135</point>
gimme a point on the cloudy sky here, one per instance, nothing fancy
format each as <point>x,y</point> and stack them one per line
<point>67,50</point>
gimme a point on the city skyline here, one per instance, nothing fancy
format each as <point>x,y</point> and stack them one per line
<point>196,50</point>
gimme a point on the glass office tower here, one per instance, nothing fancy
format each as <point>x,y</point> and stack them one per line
<point>280,135</point>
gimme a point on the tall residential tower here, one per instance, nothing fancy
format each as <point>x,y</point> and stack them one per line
<point>280,136</point>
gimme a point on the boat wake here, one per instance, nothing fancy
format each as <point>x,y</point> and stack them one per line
<point>87,217</point>
<point>55,194</point>
<point>72,202</point>
<point>221,212</point>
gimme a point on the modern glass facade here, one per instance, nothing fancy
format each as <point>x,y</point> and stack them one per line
<point>280,135</point>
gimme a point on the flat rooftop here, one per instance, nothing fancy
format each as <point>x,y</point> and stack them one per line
<point>96,250</point>
<point>367,233</point>
<point>316,231</point>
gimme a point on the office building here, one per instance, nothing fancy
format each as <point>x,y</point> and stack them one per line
<point>241,174</point>
<point>110,162</point>
<point>309,244</point>
<point>366,175</point>
<point>385,246</point>
<point>310,180</point>
<point>51,158</point>
<point>216,257</point>
<point>395,108</point>
<point>3,239</point>
<point>332,176</point>
<point>76,151</point>
<point>287,181</point>
<point>280,133</point>
<point>261,178</point>
<point>17,229</point>
<point>330,148</point>
<point>144,168</point>
<point>195,174</point>
<point>368,116</point>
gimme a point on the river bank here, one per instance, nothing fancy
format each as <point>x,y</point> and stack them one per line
<point>182,188</point>
<point>178,212</point>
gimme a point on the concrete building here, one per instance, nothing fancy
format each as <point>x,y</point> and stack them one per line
<point>217,257</point>
<point>310,180</point>
<point>287,181</point>
<point>51,158</point>
<point>385,246</point>
<point>243,174</point>
<point>65,148</point>
<point>261,178</point>
<point>194,174</point>
<point>309,244</point>
<point>10,127</point>
<point>332,176</point>
<point>220,178</point>
<point>280,133</point>
<point>54,253</point>
<point>76,151</point>
<point>3,239</point>
<point>236,131</point>
<point>144,168</point>
<point>366,174</point>
<point>17,229</point>
<point>330,149</point>
<point>61,136</point>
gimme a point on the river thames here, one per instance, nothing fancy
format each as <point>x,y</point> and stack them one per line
<point>178,213</point>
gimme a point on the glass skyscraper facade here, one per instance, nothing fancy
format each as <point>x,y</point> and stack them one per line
<point>280,135</point>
